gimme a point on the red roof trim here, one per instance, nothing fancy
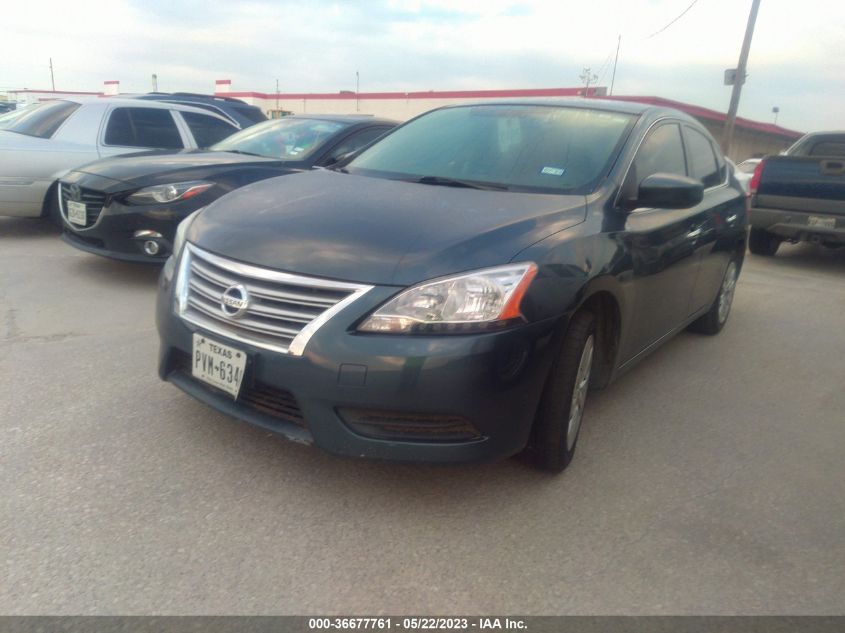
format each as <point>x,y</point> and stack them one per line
<point>112,82</point>
<point>223,81</point>
<point>431,94</point>
<point>712,115</point>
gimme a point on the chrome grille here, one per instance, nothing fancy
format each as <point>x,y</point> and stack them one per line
<point>94,203</point>
<point>283,310</point>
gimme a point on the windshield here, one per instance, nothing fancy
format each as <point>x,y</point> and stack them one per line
<point>287,139</point>
<point>41,120</point>
<point>521,147</point>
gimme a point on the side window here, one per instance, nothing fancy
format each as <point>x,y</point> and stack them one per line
<point>703,162</point>
<point>143,127</point>
<point>661,152</point>
<point>207,130</point>
<point>355,142</point>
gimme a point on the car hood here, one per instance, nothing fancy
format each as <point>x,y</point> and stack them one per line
<point>141,169</point>
<point>377,231</point>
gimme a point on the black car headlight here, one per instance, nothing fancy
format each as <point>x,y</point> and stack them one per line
<point>173,192</point>
<point>479,300</point>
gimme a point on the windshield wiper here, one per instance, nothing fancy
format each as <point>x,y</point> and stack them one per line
<point>240,151</point>
<point>454,182</point>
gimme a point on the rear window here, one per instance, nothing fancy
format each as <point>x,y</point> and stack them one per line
<point>207,130</point>
<point>522,147</point>
<point>829,148</point>
<point>253,114</point>
<point>143,127</point>
<point>703,162</point>
<point>42,120</point>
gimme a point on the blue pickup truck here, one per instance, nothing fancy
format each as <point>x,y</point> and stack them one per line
<point>800,196</point>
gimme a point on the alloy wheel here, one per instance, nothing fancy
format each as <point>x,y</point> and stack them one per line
<point>726,294</point>
<point>579,392</point>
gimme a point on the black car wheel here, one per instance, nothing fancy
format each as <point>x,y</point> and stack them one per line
<point>762,242</point>
<point>715,318</point>
<point>561,410</point>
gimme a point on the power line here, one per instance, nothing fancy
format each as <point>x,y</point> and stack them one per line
<point>682,14</point>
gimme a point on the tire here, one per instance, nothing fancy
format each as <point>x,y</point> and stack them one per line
<point>714,319</point>
<point>561,410</point>
<point>51,207</point>
<point>762,242</point>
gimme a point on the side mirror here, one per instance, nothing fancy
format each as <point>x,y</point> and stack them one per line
<point>669,191</point>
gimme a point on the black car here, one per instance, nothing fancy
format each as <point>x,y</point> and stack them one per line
<point>238,112</point>
<point>130,205</point>
<point>451,293</point>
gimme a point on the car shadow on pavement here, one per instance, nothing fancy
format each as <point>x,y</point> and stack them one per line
<point>28,228</point>
<point>115,272</point>
<point>808,257</point>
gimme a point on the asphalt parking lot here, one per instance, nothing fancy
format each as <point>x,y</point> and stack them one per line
<point>708,480</point>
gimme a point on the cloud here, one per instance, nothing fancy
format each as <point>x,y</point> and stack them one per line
<point>436,44</point>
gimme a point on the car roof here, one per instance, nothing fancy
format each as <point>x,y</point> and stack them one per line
<point>607,105</point>
<point>136,103</point>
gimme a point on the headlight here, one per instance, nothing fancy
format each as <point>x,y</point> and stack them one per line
<point>162,194</point>
<point>181,230</point>
<point>454,304</point>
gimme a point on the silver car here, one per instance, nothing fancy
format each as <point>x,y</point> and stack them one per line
<point>46,141</point>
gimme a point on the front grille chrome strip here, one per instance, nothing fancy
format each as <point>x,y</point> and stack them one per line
<point>94,204</point>
<point>285,309</point>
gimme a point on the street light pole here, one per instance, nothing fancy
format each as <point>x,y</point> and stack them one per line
<point>727,139</point>
<point>357,92</point>
<point>52,78</point>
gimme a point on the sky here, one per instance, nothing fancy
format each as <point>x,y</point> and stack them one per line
<point>797,60</point>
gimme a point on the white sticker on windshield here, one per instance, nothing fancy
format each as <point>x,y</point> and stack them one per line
<point>552,171</point>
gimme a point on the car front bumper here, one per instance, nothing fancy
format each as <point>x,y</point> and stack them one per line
<point>492,381</point>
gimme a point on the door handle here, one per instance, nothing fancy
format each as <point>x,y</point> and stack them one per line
<point>695,232</point>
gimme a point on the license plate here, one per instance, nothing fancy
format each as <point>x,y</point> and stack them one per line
<point>218,365</point>
<point>824,223</point>
<point>76,213</point>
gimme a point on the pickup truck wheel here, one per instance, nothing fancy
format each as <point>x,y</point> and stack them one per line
<point>715,318</point>
<point>558,421</point>
<point>762,242</point>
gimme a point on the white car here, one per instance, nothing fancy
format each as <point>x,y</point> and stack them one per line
<point>46,141</point>
<point>745,171</point>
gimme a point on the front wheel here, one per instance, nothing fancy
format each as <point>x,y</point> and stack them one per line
<point>561,409</point>
<point>715,318</point>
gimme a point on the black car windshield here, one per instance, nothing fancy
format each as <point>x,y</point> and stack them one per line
<point>291,138</point>
<point>41,120</point>
<point>522,147</point>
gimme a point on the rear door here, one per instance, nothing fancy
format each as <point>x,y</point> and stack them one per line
<point>722,213</point>
<point>134,129</point>
<point>662,244</point>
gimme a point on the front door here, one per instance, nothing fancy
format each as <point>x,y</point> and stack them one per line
<point>662,245</point>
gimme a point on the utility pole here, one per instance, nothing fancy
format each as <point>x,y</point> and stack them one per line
<point>155,82</point>
<point>727,139</point>
<point>52,78</point>
<point>357,92</point>
<point>775,111</point>
<point>277,98</point>
<point>588,77</point>
<point>615,61</point>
